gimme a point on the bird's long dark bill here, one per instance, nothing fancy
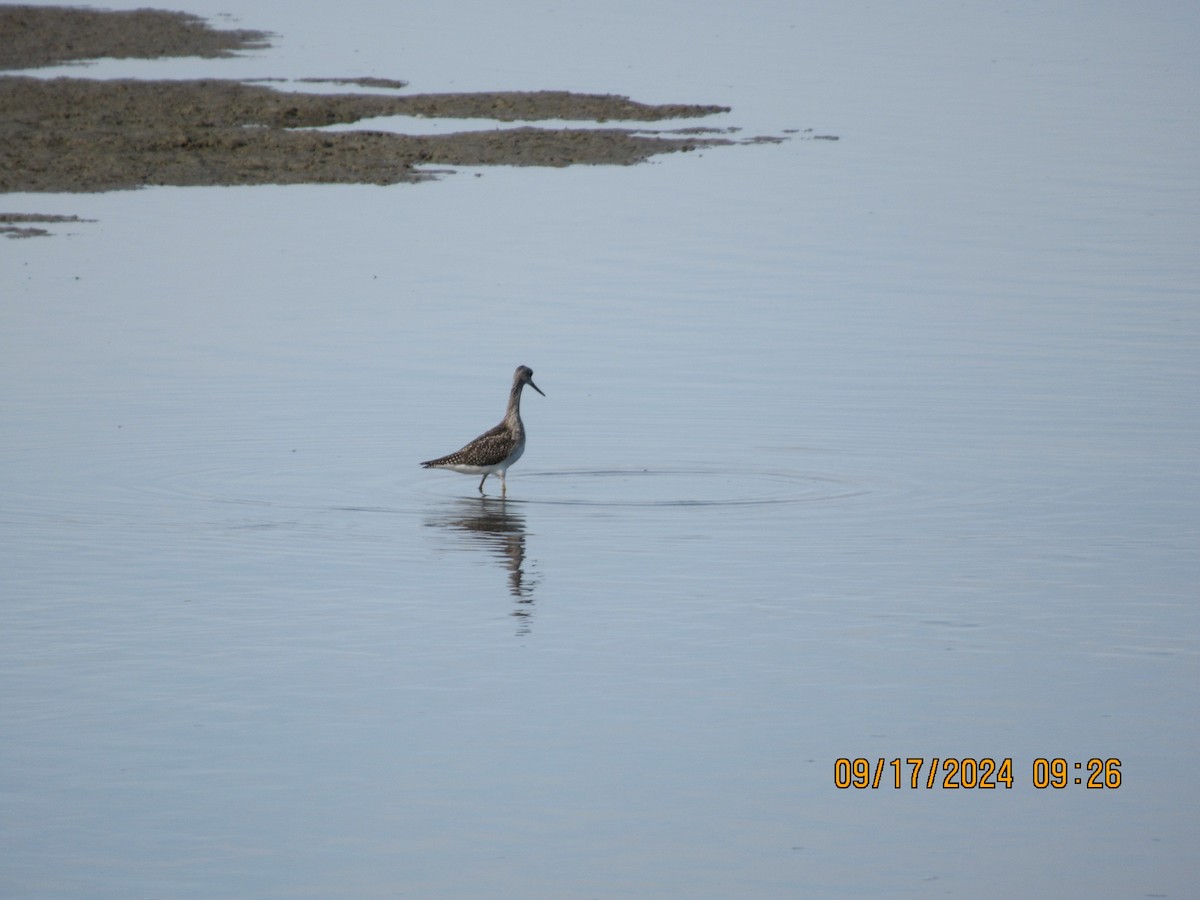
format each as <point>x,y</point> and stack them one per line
<point>535,387</point>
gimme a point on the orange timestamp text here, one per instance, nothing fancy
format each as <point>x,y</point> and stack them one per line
<point>973,773</point>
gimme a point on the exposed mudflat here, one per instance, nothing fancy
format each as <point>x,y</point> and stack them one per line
<point>52,35</point>
<point>19,225</point>
<point>80,134</point>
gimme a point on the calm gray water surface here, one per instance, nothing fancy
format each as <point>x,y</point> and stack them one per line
<point>883,447</point>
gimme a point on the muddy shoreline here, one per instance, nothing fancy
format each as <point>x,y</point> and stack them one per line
<point>80,135</point>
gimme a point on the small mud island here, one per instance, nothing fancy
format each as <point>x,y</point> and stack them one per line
<point>80,134</point>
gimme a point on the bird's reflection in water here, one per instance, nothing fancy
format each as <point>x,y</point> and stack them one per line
<point>491,524</point>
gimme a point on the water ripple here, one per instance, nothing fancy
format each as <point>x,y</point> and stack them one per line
<point>679,487</point>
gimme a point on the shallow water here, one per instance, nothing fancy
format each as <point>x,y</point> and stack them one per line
<point>883,447</point>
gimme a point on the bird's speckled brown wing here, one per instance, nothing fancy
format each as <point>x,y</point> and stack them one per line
<point>489,449</point>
